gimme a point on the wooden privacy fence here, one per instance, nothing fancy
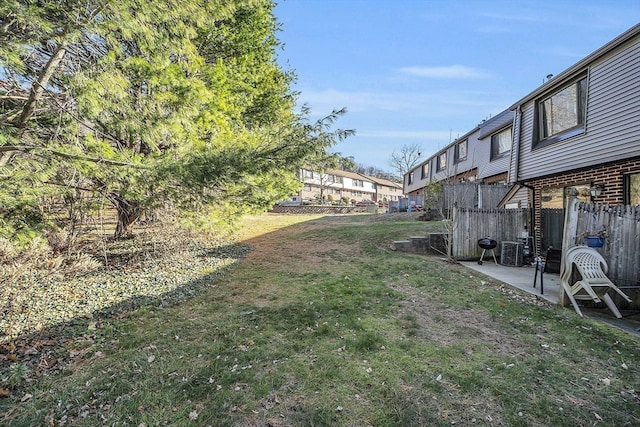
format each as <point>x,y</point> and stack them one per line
<point>469,225</point>
<point>620,226</point>
<point>472,195</point>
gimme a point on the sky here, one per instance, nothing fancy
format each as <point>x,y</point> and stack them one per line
<point>428,71</point>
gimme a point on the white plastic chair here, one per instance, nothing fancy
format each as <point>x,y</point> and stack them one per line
<point>594,283</point>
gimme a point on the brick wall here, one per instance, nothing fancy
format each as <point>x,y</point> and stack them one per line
<point>610,175</point>
<point>496,178</point>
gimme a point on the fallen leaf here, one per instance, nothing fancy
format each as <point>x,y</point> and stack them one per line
<point>26,397</point>
<point>151,358</point>
<point>193,415</point>
<point>5,392</point>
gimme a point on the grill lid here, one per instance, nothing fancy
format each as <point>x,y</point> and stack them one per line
<point>487,243</point>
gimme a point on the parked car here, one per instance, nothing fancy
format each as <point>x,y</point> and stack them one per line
<point>366,203</point>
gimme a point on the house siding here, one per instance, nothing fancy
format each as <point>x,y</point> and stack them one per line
<point>418,181</point>
<point>522,197</point>
<point>490,168</point>
<point>486,166</point>
<point>612,123</point>
<point>469,163</point>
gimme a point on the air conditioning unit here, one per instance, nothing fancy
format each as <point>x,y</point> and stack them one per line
<point>511,254</point>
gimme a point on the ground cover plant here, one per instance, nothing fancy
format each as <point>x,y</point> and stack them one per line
<point>322,324</point>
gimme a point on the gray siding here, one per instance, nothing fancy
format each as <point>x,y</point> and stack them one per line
<point>496,124</point>
<point>418,181</point>
<point>491,167</point>
<point>474,158</point>
<point>612,123</point>
<point>521,197</point>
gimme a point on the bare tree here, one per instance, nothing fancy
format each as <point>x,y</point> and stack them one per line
<point>406,159</point>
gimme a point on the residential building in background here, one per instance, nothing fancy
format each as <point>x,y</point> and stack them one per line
<point>481,155</point>
<point>341,187</point>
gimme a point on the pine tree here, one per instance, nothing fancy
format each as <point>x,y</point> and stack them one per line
<point>141,103</point>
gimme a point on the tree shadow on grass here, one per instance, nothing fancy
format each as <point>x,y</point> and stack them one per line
<point>45,349</point>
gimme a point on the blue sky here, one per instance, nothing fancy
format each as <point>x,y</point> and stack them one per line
<point>427,71</point>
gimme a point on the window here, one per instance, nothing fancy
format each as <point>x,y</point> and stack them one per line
<point>358,183</point>
<point>307,187</point>
<point>461,151</point>
<point>425,170</point>
<point>442,161</point>
<point>632,189</point>
<point>554,197</point>
<point>334,179</point>
<point>306,173</point>
<point>501,144</point>
<point>562,114</point>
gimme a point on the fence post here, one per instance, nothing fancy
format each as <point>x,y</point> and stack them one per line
<point>569,233</point>
<point>453,232</point>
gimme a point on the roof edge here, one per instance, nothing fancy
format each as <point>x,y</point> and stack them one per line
<point>613,44</point>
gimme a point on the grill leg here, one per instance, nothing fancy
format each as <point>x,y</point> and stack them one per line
<point>481,257</point>
<point>493,252</point>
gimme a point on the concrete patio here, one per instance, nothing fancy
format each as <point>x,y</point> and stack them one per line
<point>523,277</point>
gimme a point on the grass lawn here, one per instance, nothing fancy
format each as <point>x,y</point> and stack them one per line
<point>321,324</point>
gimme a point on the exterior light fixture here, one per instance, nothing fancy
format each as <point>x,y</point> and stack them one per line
<point>596,190</point>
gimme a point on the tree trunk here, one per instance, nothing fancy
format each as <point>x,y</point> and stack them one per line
<point>128,213</point>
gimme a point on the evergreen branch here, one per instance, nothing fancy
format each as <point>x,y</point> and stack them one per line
<point>16,97</point>
<point>27,148</point>
<point>94,159</point>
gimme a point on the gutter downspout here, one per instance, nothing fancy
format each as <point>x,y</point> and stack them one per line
<point>515,152</point>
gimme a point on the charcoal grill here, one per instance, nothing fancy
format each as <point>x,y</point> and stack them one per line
<point>487,244</point>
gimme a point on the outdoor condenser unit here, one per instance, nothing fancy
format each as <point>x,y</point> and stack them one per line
<point>511,254</point>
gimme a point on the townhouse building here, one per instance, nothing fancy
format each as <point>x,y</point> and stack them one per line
<point>341,187</point>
